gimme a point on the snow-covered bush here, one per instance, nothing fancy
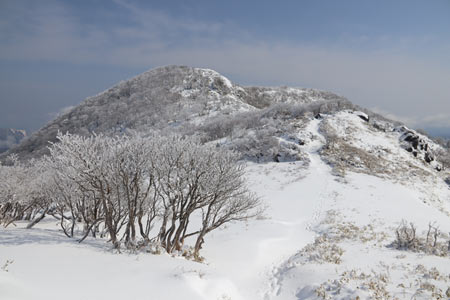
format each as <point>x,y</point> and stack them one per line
<point>23,191</point>
<point>443,156</point>
<point>407,238</point>
<point>368,286</point>
<point>125,186</point>
<point>108,180</point>
<point>322,250</point>
<point>191,177</point>
<point>255,134</point>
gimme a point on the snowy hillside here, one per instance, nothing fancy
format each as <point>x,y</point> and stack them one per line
<point>165,98</point>
<point>324,237</point>
<point>357,206</point>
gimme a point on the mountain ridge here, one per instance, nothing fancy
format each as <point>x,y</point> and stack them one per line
<point>146,100</point>
<point>261,123</point>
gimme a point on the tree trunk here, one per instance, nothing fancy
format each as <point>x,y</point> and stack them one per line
<point>37,220</point>
<point>198,245</point>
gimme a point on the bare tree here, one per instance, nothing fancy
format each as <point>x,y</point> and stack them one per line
<point>443,157</point>
<point>90,163</point>
<point>126,184</point>
<point>114,182</point>
<point>23,192</point>
<point>194,177</point>
<point>229,198</point>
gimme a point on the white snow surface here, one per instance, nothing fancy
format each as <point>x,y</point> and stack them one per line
<point>263,259</point>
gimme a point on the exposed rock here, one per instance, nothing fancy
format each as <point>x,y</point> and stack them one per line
<point>428,157</point>
<point>362,115</point>
<point>414,143</point>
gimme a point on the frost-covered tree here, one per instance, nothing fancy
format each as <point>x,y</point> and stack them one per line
<point>443,156</point>
<point>87,163</point>
<point>114,173</point>
<point>124,186</point>
<point>13,177</point>
<point>192,177</point>
<point>23,191</point>
<point>228,198</point>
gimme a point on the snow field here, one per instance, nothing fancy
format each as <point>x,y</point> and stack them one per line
<point>269,258</point>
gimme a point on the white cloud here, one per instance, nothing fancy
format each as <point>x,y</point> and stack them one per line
<point>441,120</point>
<point>403,119</point>
<point>433,121</point>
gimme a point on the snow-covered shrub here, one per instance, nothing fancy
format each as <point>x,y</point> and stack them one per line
<point>343,156</point>
<point>357,285</point>
<point>443,156</point>
<point>407,238</point>
<point>404,281</point>
<point>124,186</point>
<point>112,173</point>
<point>191,177</point>
<point>322,250</point>
<point>256,134</point>
<point>24,191</point>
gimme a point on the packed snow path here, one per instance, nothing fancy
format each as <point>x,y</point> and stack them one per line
<point>296,199</point>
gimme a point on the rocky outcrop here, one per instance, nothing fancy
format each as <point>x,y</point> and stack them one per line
<point>362,115</point>
<point>417,145</point>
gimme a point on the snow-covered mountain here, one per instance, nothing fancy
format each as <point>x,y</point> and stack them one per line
<point>10,137</point>
<point>165,98</point>
<point>358,206</point>
<point>263,124</point>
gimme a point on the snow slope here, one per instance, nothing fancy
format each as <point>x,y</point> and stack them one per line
<point>324,237</point>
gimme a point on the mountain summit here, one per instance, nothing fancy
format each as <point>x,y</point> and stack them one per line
<point>161,98</point>
<point>262,123</point>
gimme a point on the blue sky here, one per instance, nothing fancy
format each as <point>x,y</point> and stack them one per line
<point>389,56</point>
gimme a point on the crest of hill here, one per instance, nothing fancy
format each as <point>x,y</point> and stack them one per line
<point>166,98</point>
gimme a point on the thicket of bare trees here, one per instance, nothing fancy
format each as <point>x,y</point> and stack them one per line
<point>443,156</point>
<point>137,191</point>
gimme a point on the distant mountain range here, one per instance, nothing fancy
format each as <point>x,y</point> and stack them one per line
<point>10,137</point>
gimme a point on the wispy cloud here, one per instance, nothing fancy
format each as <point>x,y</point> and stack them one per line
<point>396,117</point>
<point>441,120</point>
<point>430,121</point>
<point>52,33</point>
